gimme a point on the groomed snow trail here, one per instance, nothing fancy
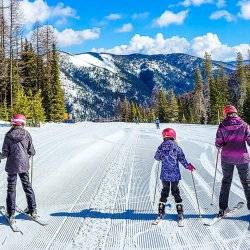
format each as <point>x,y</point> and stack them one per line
<point>94,184</point>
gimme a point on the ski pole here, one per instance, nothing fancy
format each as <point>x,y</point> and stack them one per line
<point>215,172</point>
<point>31,171</point>
<point>196,195</point>
<point>156,182</point>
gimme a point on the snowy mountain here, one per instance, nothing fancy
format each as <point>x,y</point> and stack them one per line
<point>93,82</point>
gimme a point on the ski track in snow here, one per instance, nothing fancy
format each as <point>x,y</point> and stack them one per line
<point>95,184</point>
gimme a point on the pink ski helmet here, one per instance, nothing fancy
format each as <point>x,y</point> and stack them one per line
<point>229,109</point>
<point>169,133</point>
<point>18,120</point>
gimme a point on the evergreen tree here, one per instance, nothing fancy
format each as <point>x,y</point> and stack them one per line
<point>172,108</point>
<point>198,99</point>
<point>162,106</point>
<point>21,103</point>
<point>246,106</point>
<point>28,67</point>
<point>241,79</point>
<point>133,111</point>
<point>4,112</point>
<point>57,104</point>
<point>37,110</point>
<point>208,81</point>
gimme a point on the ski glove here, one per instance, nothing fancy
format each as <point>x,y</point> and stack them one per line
<point>190,167</point>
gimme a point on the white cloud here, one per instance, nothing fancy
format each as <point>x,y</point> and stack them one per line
<point>114,17</point>
<point>219,51</point>
<point>142,15</point>
<point>222,14</point>
<point>221,3</point>
<point>150,45</point>
<point>244,9</point>
<point>188,3</point>
<point>169,17</point>
<point>40,11</point>
<point>127,27</point>
<point>198,46</point>
<point>69,37</point>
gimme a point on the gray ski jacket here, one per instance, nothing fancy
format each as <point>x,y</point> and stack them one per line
<point>17,148</point>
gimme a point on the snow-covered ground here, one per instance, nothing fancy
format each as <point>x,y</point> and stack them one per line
<point>94,184</point>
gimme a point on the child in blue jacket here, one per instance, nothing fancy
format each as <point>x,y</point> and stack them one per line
<point>170,154</point>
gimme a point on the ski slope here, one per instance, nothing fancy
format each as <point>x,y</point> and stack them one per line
<point>94,184</point>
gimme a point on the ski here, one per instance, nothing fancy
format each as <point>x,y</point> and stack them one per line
<point>230,212</point>
<point>12,225</point>
<point>180,221</point>
<point>249,226</point>
<point>37,220</point>
<point>158,220</point>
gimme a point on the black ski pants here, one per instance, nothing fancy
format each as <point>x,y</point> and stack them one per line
<point>175,191</point>
<point>11,192</point>
<point>227,170</point>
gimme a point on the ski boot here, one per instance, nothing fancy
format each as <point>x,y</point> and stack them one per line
<point>11,217</point>
<point>222,212</point>
<point>161,209</point>
<point>179,209</point>
<point>180,217</point>
<point>32,213</point>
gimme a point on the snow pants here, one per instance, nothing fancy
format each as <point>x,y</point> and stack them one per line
<point>175,191</point>
<point>11,192</point>
<point>227,170</point>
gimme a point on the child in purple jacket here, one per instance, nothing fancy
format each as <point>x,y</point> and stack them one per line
<point>170,154</point>
<point>232,136</point>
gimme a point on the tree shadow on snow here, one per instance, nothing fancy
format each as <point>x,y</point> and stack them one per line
<point>126,215</point>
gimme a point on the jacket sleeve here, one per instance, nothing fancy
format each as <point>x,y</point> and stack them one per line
<point>31,150</point>
<point>158,154</point>
<point>182,158</point>
<point>248,135</point>
<point>5,148</point>
<point>219,141</point>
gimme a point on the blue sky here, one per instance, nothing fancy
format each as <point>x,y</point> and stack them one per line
<point>221,27</point>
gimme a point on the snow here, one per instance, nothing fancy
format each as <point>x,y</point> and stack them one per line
<point>89,60</point>
<point>95,182</point>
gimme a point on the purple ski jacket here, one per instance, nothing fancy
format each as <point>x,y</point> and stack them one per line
<point>170,154</point>
<point>232,135</point>
<point>17,148</point>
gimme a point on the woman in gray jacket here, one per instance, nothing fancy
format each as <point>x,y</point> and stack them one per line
<point>18,148</point>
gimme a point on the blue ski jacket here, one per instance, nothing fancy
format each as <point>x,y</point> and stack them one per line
<point>170,154</point>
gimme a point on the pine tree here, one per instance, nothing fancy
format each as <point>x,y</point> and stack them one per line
<point>57,104</point>
<point>28,67</point>
<point>133,111</point>
<point>172,108</point>
<point>37,110</point>
<point>161,106</point>
<point>246,106</point>
<point>241,79</point>
<point>21,103</point>
<point>198,99</point>
<point>209,80</point>
<point>4,112</point>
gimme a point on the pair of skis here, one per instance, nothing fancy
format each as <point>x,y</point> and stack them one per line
<point>12,223</point>
<point>209,222</point>
<point>232,211</point>
<point>180,220</point>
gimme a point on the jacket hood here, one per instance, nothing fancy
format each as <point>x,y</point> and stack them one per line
<point>233,123</point>
<point>16,134</point>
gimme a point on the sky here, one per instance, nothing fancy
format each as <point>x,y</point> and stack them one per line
<point>220,27</point>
